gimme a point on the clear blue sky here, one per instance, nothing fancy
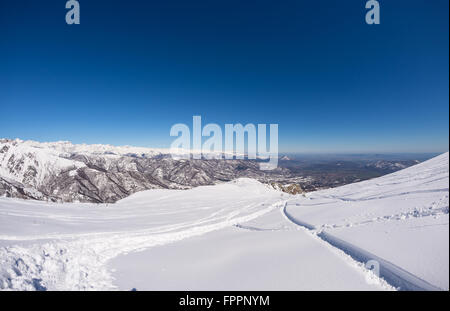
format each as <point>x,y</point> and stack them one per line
<point>133,68</point>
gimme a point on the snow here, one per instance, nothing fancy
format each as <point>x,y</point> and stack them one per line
<point>67,246</point>
<point>17,159</point>
<point>66,148</point>
<point>390,217</point>
<point>240,235</point>
<point>398,243</point>
<point>243,259</point>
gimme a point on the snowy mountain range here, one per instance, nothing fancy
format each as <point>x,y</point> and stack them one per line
<point>65,172</point>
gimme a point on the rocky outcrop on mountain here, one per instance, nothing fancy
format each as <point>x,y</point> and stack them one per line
<point>17,190</point>
<point>293,189</point>
<point>100,173</point>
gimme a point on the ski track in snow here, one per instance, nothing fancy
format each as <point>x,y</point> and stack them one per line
<point>416,195</point>
<point>389,273</point>
<point>80,263</point>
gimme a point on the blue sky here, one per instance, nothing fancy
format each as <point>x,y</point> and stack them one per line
<point>134,68</point>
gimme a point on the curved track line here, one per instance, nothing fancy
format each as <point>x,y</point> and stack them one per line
<point>80,264</point>
<point>394,275</point>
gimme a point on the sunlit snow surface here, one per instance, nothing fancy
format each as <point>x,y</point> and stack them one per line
<point>401,217</point>
<point>233,236</point>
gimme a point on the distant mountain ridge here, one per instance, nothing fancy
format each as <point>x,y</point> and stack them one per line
<point>66,172</point>
<point>62,171</point>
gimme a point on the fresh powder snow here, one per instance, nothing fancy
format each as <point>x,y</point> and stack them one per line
<point>240,235</point>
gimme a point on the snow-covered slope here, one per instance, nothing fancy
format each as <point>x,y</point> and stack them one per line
<point>65,148</point>
<point>402,217</point>
<point>30,164</point>
<point>240,235</point>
